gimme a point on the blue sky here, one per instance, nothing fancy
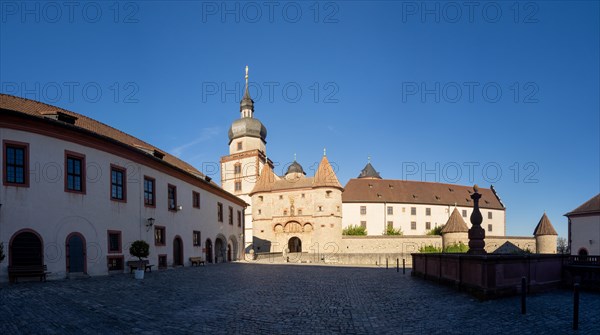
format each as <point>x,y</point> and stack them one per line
<point>503,93</point>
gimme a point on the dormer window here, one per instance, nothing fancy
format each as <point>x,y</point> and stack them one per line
<point>158,154</point>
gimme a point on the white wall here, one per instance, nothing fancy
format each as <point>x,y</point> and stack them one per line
<point>377,217</point>
<point>583,230</point>
<point>46,208</point>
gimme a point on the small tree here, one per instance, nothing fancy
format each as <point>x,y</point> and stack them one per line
<point>436,231</point>
<point>355,230</point>
<point>1,251</point>
<point>392,231</point>
<point>139,249</point>
<point>561,246</point>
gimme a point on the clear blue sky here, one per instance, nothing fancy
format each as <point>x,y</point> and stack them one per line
<point>431,91</point>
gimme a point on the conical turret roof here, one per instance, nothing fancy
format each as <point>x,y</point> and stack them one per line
<point>369,172</point>
<point>325,176</point>
<point>455,223</point>
<point>265,181</point>
<point>544,227</point>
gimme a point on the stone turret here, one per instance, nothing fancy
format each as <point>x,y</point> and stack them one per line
<point>545,236</point>
<point>455,231</point>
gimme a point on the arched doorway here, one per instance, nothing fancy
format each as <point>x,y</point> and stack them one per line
<point>295,244</point>
<point>228,252</point>
<point>177,251</point>
<point>220,250</point>
<point>209,253</point>
<point>75,252</point>
<point>582,252</point>
<point>25,248</point>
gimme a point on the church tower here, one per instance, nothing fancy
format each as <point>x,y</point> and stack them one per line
<point>247,155</point>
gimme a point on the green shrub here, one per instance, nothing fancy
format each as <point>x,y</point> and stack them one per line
<point>392,231</point>
<point>457,248</point>
<point>429,249</point>
<point>436,231</point>
<point>355,230</point>
<point>139,249</point>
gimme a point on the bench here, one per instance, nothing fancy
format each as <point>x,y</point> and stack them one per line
<point>17,271</point>
<point>134,265</point>
<point>197,261</point>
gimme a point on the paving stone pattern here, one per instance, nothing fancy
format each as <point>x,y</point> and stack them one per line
<point>278,299</point>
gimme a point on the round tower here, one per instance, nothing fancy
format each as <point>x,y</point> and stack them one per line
<point>455,231</point>
<point>545,236</point>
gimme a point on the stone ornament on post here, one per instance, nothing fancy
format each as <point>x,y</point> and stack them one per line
<point>476,233</point>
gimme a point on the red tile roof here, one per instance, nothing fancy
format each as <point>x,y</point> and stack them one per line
<point>83,123</point>
<point>417,192</point>
<point>591,206</point>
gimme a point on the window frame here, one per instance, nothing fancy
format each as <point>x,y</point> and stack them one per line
<point>162,243</point>
<point>489,227</point>
<point>363,210</point>
<point>363,224</point>
<point>196,199</point>
<point>427,211</point>
<point>174,188</point>
<point>20,145</point>
<point>239,218</point>
<point>123,185</point>
<point>120,237</point>
<point>464,213</point>
<point>237,168</point>
<point>490,215</point>
<point>196,238</point>
<point>413,225</point>
<point>390,210</point>
<point>428,225</point>
<point>230,215</point>
<point>119,258</point>
<point>219,212</point>
<point>237,186</point>
<point>413,211</point>
<point>153,191</point>
<point>82,175</point>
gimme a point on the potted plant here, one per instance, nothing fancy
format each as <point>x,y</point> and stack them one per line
<point>139,249</point>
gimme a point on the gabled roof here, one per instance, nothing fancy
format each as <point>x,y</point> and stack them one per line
<point>77,122</point>
<point>544,227</point>
<point>591,206</point>
<point>369,172</point>
<point>455,224</point>
<point>325,176</point>
<point>416,192</point>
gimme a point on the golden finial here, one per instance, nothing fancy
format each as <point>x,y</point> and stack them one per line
<point>246,75</point>
<point>324,151</point>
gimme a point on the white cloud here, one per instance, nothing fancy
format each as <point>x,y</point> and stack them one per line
<point>206,134</point>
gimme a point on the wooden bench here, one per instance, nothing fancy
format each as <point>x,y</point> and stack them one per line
<point>134,265</point>
<point>197,261</point>
<point>15,272</point>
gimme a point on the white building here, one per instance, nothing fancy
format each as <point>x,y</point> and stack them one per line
<point>414,207</point>
<point>76,193</point>
<point>584,228</point>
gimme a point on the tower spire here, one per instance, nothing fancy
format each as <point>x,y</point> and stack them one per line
<point>247,104</point>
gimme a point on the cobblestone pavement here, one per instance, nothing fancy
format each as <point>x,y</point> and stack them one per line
<point>265,299</point>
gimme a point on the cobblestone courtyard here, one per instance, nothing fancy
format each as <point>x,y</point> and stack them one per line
<point>265,299</point>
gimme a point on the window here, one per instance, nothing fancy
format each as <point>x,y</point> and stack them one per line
<point>260,198</point>
<point>259,211</point>
<point>302,195</point>
<point>363,224</point>
<point>239,145</point>
<point>427,225</point>
<point>237,168</point>
<point>464,213</point>
<point>490,215</point>
<point>230,217</point>
<point>413,225</point>
<point>390,225</point>
<point>489,227</point>
<point>300,212</point>
<point>239,218</point>
<point>117,183</point>
<point>114,242</point>
<point>74,172</point>
<point>220,212</point>
<point>413,211</point>
<point>390,210</point>
<point>16,164</point>
<point>238,186</point>
<point>285,212</point>
<point>162,261</point>
<point>160,235</point>
<point>195,199</point>
<point>115,263</point>
<point>280,197</point>
<point>363,210</point>
<point>149,191</point>
<point>328,194</point>
<point>320,208</point>
<point>196,238</point>
<point>427,211</point>
<point>337,208</point>
<point>172,197</point>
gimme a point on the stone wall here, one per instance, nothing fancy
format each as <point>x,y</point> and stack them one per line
<point>387,244</point>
